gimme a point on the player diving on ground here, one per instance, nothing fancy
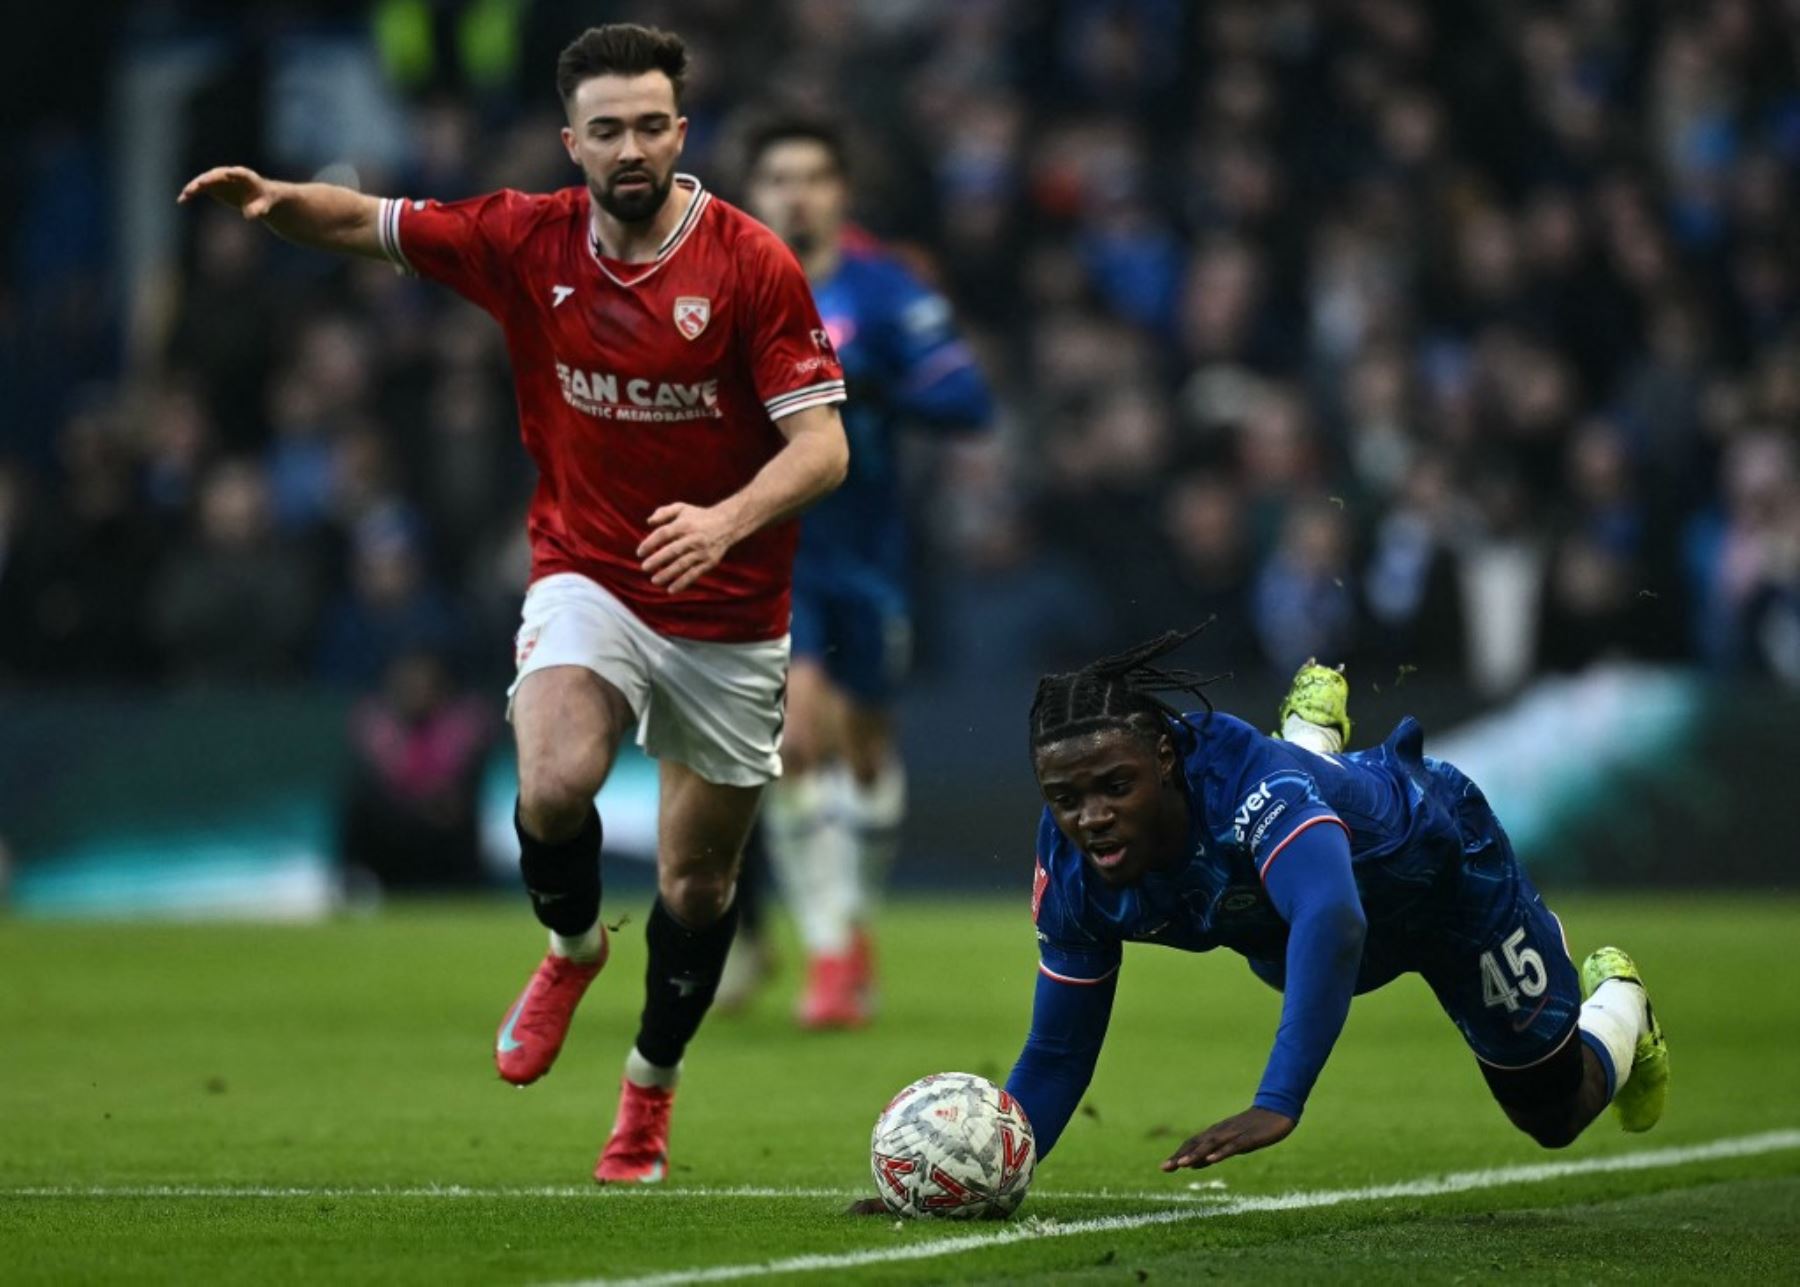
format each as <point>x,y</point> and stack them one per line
<point>1332,874</point>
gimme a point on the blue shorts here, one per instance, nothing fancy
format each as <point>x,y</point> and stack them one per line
<point>860,631</point>
<point>1496,957</point>
<point>1483,940</point>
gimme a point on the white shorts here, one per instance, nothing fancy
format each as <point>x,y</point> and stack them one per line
<point>715,707</point>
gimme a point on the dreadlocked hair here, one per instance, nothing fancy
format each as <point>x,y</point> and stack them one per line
<point>1120,691</point>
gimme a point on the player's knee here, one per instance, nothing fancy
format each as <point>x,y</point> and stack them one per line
<point>799,752</point>
<point>1544,1099</point>
<point>696,899</point>
<point>1552,1123</point>
<point>554,797</point>
<point>869,764</point>
<point>1552,1132</point>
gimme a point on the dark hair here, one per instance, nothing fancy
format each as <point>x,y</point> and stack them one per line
<point>621,49</point>
<point>1117,692</point>
<point>791,127</point>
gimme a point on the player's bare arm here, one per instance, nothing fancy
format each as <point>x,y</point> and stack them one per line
<point>1248,1131</point>
<point>687,541</point>
<point>320,216</point>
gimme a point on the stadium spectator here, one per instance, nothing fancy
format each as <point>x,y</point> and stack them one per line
<point>1304,600</point>
<point>1411,588</point>
<point>299,457</point>
<point>1742,554</point>
<point>224,334</point>
<point>410,813</point>
<point>1501,572</point>
<point>234,604</point>
<point>22,572</point>
<point>176,443</point>
<point>1599,596</point>
<point>390,609</point>
<point>1204,532</point>
<point>88,610</point>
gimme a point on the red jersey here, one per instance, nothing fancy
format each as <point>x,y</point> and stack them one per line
<point>639,384</point>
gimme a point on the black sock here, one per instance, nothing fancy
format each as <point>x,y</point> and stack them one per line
<point>563,879</point>
<point>680,980</point>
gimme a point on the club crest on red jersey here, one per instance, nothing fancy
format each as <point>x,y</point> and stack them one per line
<point>692,313</point>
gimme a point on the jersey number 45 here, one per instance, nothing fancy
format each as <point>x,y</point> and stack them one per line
<point>1523,973</point>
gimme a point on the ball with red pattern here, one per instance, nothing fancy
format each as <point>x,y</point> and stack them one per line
<point>952,1146</point>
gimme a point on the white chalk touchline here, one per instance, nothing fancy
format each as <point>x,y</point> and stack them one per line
<point>413,1191</point>
<point>1033,1230</point>
<point>643,1193</point>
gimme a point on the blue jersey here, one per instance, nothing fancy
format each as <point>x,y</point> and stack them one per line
<point>1332,875</point>
<point>903,363</point>
<point>1249,796</point>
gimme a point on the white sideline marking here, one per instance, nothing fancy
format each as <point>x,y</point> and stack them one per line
<point>643,1192</point>
<point>1030,1231</point>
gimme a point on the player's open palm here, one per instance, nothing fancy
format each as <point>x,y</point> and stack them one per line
<point>1250,1130</point>
<point>685,543</point>
<point>236,186</point>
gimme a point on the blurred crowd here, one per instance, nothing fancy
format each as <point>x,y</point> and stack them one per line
<point>1461,337</point>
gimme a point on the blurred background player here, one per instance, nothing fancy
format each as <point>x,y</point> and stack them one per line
<point>678,394</point>
<point>832,822</point>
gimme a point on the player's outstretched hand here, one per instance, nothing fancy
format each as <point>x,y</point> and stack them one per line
<point>686,542</point>
<point>1250,1130</point>
<point>236,186</point>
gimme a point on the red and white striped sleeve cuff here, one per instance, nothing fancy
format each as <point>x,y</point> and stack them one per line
<point>813,395</point>
<point>387,233</point>
<point>1263,871</point>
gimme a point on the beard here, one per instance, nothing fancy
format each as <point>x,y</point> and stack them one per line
<point>636,205</point>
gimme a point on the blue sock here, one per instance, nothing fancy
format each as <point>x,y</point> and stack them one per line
<point>1598,1046</point>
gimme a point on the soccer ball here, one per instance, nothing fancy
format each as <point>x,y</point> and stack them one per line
<point>952,1146</point>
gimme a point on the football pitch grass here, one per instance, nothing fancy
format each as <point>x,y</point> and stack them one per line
<point>228,1103</point>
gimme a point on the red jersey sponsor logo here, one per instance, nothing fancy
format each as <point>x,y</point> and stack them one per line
<point>692,313</point>
<point>1039,879</point>
<point>606,395</point>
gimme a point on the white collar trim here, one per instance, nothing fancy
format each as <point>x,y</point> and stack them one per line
<point>671,244</point>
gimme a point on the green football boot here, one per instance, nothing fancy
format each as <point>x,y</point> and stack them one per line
<point>1319,695</point>
<point>1641,1101</point>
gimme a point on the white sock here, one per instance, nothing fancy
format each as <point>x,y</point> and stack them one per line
<point>1615,1016</point>
<point>873,813</point>
<point>639,1071</point>
<point>810,850</point>
<point>1315,738</point>
<point>582,947</point>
